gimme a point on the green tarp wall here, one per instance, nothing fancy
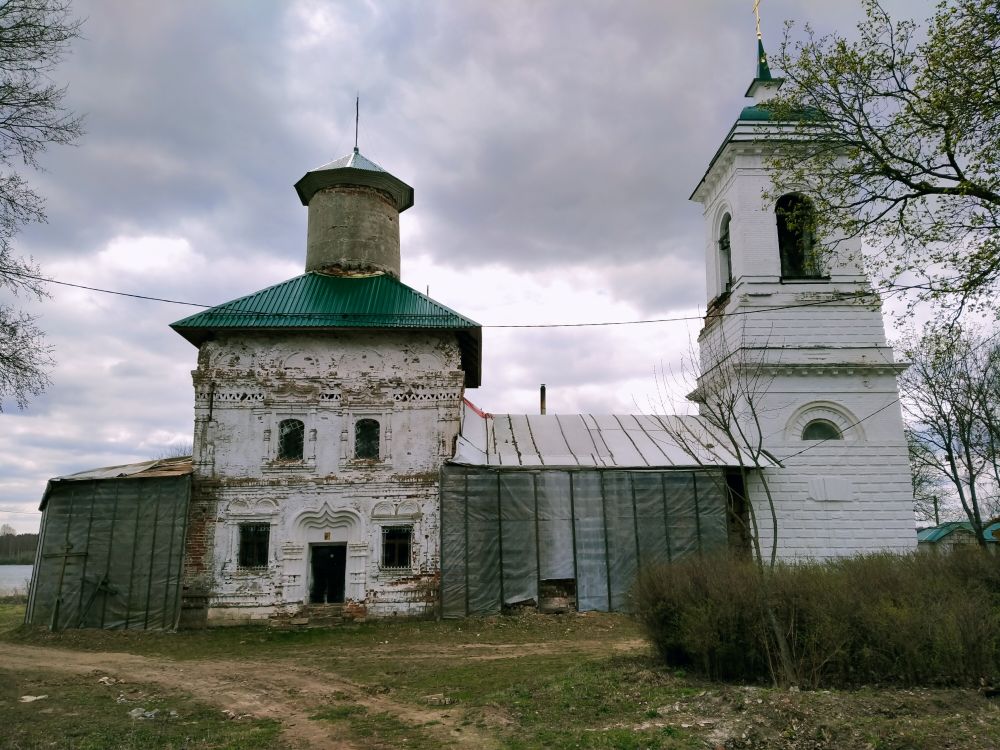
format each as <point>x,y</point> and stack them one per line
<point>110,554</point>
<point>505,531</point>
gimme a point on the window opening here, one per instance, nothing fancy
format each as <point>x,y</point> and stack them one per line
<point>253,545</point>
<point>725,254</point>
<point>396,543</point>
<point>366,439</point>
<point>291,433</point>
<point>796,243</point>
<point>820,429</point>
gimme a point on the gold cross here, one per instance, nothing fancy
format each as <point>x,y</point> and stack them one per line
<point>756,14</point>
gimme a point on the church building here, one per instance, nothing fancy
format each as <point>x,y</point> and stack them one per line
<point>341,470</point>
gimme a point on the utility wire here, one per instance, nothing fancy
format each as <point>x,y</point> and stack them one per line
<point>250,313</point>
<point>106,291</point>
<point>526,325</point>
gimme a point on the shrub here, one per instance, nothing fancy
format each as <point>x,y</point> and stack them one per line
<point>908,620</point>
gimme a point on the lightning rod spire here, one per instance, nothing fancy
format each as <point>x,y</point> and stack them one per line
<point>357,116</point>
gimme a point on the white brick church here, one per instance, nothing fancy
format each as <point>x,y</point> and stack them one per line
<point>340,468</point>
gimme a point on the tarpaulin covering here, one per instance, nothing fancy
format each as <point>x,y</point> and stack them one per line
<point>506,531</point>
<point>110,553</point>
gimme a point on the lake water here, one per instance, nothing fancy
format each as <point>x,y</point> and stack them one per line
<point>14,578</point>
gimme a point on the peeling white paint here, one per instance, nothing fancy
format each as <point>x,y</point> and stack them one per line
<point>410,382</point>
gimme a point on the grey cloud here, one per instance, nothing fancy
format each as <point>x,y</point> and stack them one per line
<point>545,137</point>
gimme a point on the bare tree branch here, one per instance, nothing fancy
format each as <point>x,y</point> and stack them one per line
<point>34,36</point>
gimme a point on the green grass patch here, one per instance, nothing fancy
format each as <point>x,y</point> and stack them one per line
<point>543,696</point>
<point>362,637</point>
<point>377,730</point>
<point>11,616</point>
<point>525,681</point>
<point>662,738</point>
<point>80,713</point>
<point>338,713</point>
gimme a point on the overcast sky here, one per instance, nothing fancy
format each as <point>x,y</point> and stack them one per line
<point>552,147</point>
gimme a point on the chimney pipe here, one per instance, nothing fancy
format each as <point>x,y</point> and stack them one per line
<point>541,396</point>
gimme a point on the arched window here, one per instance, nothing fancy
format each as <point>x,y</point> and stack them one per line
<point>366,439</point>
<point>821,429</point>
<point>796,244</point>
<point>291,433</point>
<point>725,254</point>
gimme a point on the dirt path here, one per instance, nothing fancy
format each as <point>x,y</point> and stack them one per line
<point>277,690</point>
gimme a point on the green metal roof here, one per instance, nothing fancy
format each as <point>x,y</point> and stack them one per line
<point>318,301</point>
<point>939,532</point>
<point>754,112</point>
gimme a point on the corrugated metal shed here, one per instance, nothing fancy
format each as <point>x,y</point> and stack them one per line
<point>323,301</point>
<point>590,440</point>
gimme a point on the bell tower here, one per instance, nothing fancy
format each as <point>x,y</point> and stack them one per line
<point>801,331</point>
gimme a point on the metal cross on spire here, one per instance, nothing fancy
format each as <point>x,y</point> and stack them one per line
<point>756,15</point>
<point>357,116</point>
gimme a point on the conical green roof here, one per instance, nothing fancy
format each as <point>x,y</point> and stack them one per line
<point>319,301</point>
<point>763,71</point>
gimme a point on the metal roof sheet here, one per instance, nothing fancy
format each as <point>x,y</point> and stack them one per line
<point>324,301</point>
<point>164,467</point>
<point>354,169</point>
<point>355,160</point>
<point>597,440</point>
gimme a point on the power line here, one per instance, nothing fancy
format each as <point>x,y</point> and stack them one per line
<point>251,313</point>
<point>106,291</point>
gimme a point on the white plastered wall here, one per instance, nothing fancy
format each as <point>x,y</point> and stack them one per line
<point>411,383</point>
<point>822,355</point>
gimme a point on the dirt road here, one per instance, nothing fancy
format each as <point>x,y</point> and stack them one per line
<point>276,689</point>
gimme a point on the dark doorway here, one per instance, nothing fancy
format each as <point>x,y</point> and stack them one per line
<point>329,568</point>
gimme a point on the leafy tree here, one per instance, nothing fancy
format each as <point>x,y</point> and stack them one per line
<point>7,530</point>
<point>903,146</point>
<point>950,394</point>
<point>34,35</point>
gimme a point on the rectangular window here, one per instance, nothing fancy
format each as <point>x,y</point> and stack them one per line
<point>366,439</point>
<point>253,545</point>
<point>396,543</point>
<point>291,436</point>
